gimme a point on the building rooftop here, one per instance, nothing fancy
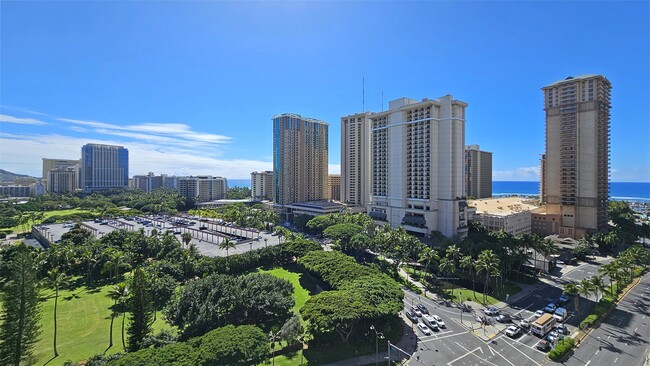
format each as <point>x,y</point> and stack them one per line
<point>297,116</point>
<point>574,78</point>
<point>503,206</point>
<point>318,204</point>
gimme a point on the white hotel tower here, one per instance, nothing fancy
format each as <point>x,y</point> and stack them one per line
<point>417,166</point>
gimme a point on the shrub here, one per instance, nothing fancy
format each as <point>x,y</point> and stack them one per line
<point>562,348</point>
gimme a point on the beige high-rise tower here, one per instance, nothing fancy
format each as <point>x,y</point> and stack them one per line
<point>356,162</point>
<point>576,164</point>
<point>300,148</point>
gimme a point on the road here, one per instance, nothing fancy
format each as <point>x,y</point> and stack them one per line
<point>623,337</point>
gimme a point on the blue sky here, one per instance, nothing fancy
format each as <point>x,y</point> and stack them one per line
<point>191,87</point>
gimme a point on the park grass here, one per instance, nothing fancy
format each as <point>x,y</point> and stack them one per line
<point>48,214</point>
<point>83,325</point>
<point>298,280</point>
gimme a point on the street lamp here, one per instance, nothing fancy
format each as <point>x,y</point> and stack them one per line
<point>265,242</point>
<point>378,335</point>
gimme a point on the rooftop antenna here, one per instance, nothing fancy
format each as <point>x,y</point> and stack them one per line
<point>363,94</point>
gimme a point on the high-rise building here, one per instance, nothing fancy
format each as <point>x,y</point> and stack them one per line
<point>418,156</point>
<point>104,167</point>
<point>542,168</point>
<point>262,185</point>
<point>576,173</point>
<point>334,187</point>
<point>63,180</point>
<point>149,182</point>
<point>50,164</point>
<point>299,158</point>
<point>356,162</point>
<point>203,188</point>
<point>478,172</point>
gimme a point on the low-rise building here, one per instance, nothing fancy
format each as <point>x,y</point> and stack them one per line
<point>510,214</point>
<point>203,188</point>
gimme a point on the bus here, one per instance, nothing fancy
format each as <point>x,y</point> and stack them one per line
<point>543,324</point>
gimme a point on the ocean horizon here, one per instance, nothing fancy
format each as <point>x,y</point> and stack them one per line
<point>628,191</point>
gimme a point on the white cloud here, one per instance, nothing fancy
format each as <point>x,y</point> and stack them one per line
<point>334,169</point>
<point>519,174</point>
<point>175,132</point>
<point>23,154</point>
<point>20,121</point>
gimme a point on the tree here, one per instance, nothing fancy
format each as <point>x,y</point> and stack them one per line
<point>612,270</point>
<point>448,267</point>
<point>227,244</point>
<point>187,238</point>
<point>141,308</point>
<point>467,263</point>
<point>597,285</point>
<point>429,255</point>
<point>56,279</point>
<point>342,234</point>
<point>120,295</point>
<point>584,288</point>
<point>572,289</point>
<point>19,320</point>
<point>489,263</point>
<point>335,311</point>
<point>292,330</point>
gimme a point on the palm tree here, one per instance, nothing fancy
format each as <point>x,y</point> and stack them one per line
<point>612,270</point>
<point>571,289</point>
<point>186,238</point>
<point>453,253</point>
<point>120,294</point>
<point>227,244</point>
<point>56,279</point>
<point>273,337</point>
<point>584,288</point>
<point>448,267</point>
<point>467,263</point>
<point>429,255</point>
<point>487,262</point>
<point>597,285</point>
<point>115,260</point>
<point>89,258</point>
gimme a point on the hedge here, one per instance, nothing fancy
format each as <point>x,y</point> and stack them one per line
<point>562,348</point>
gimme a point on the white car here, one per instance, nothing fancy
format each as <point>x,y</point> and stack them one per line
<point>416,311</point>
<point>439,321</point>
<point>524,323</point>
<point>539,313</point>
<point>424,329</point>
<point>512,331</point>
<point>491,311</point>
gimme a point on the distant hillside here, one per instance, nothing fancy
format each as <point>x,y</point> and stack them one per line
<point>6,176</point>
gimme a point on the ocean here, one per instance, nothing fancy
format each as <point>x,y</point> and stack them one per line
<point>639,192</point>
<point>628,191</point>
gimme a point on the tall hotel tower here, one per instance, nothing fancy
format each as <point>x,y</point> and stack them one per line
<point>104,167</point>
<point>356,153</point>
<point>299,158</point>
<point>576,164</point>
<point>417,166</point>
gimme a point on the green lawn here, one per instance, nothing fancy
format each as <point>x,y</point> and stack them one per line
<point>48,214</point>
<point>298,280</point>
<point>83,324</point>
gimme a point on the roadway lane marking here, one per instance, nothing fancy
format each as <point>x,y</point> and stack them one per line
<point>596,352</point>
<point>500,355</point>
<point>511,345</point>
<point>616,360</point>
<point>609,336</point>
<point>466,354</point>
<point>635,329</point>
<point>588,362</point>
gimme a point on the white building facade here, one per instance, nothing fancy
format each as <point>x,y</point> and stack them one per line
<point>262,186</point>
<point>418,159</point>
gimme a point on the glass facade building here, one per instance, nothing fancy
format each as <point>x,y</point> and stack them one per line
<point>104,167</point>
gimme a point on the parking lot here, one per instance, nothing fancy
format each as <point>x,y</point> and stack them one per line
<point>206,233</point>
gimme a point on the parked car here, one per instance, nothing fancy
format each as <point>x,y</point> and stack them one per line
<point>491,311</point>
<point>411,315</point>
<point>424,329</point>
<point>423,309</point>
<point>503,318</point>
<point>543,346</point>
<point>550,308</point>
<point>564,298</point>
<point>562,329</point>
<point>416,311</point>
<point>513,331</point>
<point>439,321</point>
<point>538,313</point>
<point>524,323</point>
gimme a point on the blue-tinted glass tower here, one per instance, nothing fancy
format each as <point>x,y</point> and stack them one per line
<point>104,167</point>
